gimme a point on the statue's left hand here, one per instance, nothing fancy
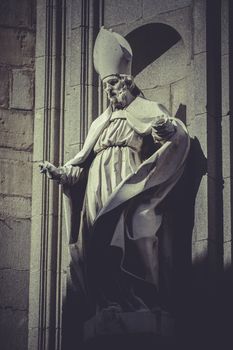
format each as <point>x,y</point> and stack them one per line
<point>49,170</point>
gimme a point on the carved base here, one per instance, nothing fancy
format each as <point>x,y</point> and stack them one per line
<point>141,330</point>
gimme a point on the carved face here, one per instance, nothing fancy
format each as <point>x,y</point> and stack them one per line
<point>116,90</point>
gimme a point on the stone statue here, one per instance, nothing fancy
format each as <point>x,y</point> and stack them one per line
<point>133,156</point>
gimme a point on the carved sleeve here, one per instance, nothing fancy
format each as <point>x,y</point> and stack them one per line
<point>68,174</point>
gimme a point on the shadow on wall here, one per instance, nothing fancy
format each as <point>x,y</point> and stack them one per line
<point>149,42</point>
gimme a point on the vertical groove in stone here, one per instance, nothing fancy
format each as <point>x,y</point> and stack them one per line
<point>214,137</point>
<point>230,4</point>
<point>45,308</point>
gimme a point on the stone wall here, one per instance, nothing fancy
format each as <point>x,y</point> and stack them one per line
<point>17,44</point>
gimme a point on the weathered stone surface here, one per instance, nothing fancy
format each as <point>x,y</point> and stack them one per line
<point>72,122</point>
<point>198,129</point>
<point>225,85</point>
<point>190,94</point>
<point>227,253</point>
<point>16,129</point>
<point>179,96</point>
<point>14,297</point>
<point>4,87</point>
<point>199,26</point>
<point>75,59</point>
<point>200,84</point>
<point>76,13</point>
<point>41,29</point>
<point>200,251</point>
<point>168,68</point>
<point>13,329</point>
<point>227,207</point>
<point>153,7</point>
<point>17,13</point>
<point>40,83</point>
<point>15,207</point>
<point>71,151</point>
<point>15,244</point>
<point>22,92</point>
<point>200,231</point>
<point>159,94</point>
<point>224,25</point>
<point>15,177</point>
<point>9,153</point>
<point>226,151</point>
<point>117,12</point>
<point>17,46</point>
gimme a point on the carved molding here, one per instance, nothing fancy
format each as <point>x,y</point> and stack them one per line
<point>46,238</point>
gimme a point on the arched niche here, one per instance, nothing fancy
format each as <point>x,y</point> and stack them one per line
<point>160,65</point>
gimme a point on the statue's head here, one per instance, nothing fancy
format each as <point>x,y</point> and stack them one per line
<point>113,60</point>
<point>119,89</point>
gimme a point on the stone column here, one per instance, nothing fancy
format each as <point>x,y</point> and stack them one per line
<point>46,238</point>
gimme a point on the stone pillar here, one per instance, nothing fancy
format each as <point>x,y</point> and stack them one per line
<point>46,238</point>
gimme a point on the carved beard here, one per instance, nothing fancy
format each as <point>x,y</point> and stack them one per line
<point>118,97</point>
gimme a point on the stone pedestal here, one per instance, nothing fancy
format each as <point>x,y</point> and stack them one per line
<point>138,330</point>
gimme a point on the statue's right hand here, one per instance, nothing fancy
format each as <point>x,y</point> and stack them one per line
<point>49,170</point>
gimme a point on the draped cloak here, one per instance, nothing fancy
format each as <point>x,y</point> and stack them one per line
<point>131,211</point>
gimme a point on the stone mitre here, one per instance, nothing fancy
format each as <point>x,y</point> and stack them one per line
<point>112,54</point>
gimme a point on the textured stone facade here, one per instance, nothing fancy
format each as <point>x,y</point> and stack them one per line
<point>17,37</point>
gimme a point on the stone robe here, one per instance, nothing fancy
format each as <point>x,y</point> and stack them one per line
<point>112,196</point>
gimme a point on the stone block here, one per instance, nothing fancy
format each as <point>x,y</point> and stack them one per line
<point>154,7</point>
<point>159,94</point>
<point>200,83</point>
<point>76,56</point>
<point>13,329</point>
<point>17,13</point>
<point>4,87</point>
<point>15,207</point>
<point>14,289</point>
<point>17,46</point>
<point>199,26</point>
<point>9,153</point>
<point>15,239</point>
<point>16,130</point>
<point>227,207</point>
<point>166,69</point>
<point>200,251</point>
<point>15,178</point>
<point>200,231</point>
<point>179,98</point>
<point>225,86</point>
<point>118,12</point>
<point>22,89</point>
<point>226,147</point>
